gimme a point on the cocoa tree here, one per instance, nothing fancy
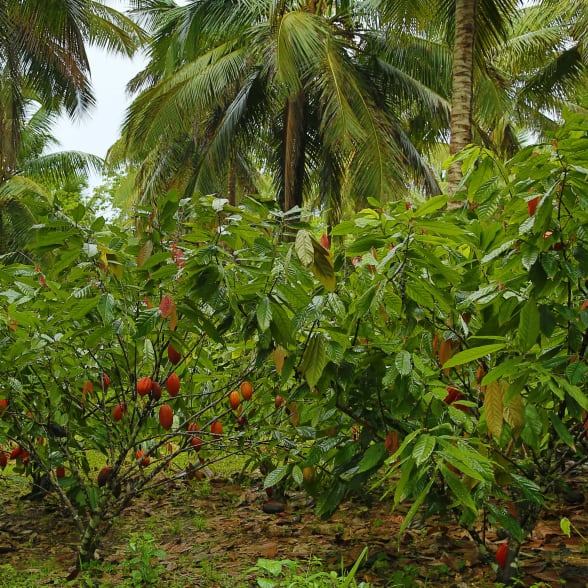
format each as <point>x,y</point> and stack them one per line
<point>440,355</point>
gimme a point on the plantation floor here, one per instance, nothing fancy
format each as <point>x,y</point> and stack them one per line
<point>213,531</point>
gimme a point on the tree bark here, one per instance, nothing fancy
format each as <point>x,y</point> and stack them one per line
<point>462,88</point>
<point>293,171</point>
<point>232,181</point>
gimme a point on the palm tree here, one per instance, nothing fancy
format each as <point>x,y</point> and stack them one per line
<point>234,87</point>
<point>28,191</point>
<point>527,63</point>
<point>333,102</point>
<point>44,71</point>
<point>43,58</point>
<point>547,53</point>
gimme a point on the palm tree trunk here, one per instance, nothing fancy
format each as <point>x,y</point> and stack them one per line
<point>293,172</point>
<point>232,181</point>
<point>462,92</point>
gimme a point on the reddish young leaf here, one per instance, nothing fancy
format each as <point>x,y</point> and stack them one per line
<point>166,306</point>
<point>501,554</point>
<point>532,205</point>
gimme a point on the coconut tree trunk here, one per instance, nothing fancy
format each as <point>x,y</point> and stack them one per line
<point>462,92</point>
<point>293,172</point>
<point>11,121</point>
<point>232,181</point>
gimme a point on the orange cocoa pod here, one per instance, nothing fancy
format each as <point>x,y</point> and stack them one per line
<point>166,416</point>
<point>144,385</point>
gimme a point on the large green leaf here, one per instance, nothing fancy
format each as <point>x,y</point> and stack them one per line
<point>529,326</point>
<point>106,307</point>
<point>472,354</point>
<point>423,449</point>
<point>414,508</point>
<point>147,321</point>
<point>562,431</point>
<point>264,313</point>
<point>276,475</point>
<point>403,363</point>
<point>431,205</point>
<point>314,359</point>
<point>304,248</point>
<point>458,488</point>
<point>373,457</point>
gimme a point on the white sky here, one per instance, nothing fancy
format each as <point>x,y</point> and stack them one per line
<point>97,130</point>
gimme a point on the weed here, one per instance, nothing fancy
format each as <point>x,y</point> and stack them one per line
<point>272,573</point>
<point>404,577</point>
<point>141,564</point>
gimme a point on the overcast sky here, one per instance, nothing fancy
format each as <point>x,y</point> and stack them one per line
<point>97,130</point>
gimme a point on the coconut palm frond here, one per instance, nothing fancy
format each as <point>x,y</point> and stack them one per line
<point>56,168</point>
<point>17,220</point>
<point>24,189</point>
<point>163,109</point>
<point>112,30</point>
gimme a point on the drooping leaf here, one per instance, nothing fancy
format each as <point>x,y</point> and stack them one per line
<point>458,488</point>
<point>106,308</point>
<point>373,457</point>
<point>364,244</point>
<point>314,359</point>
<point>416,505</point>
<point>145,252</point>
<point>529,326</point>
<point>575,392</point>
<point>147,321</point>
<point>431,205</point>
<point>279,358</point>
<point>281,324</point>
<point>576,372</point>
<point>403,363</point>
<point>498,251</point>
<point>85,292</point>
<point>417,290</point>
<point>514,411</point>
<point>423,448</point>
<point>405,443</point>
<point>276,476</point>
<point>297,475</point>
<point>303,247</point>
<point>322,266</point>
<point>562,431</point>
<point>264,313</point>
<point>467,460</point>
<point>493,407</point>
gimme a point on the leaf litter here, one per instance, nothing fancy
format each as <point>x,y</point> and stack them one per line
<point>217,524</point>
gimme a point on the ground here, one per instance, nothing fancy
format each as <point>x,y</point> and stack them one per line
<point>212,533</point>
